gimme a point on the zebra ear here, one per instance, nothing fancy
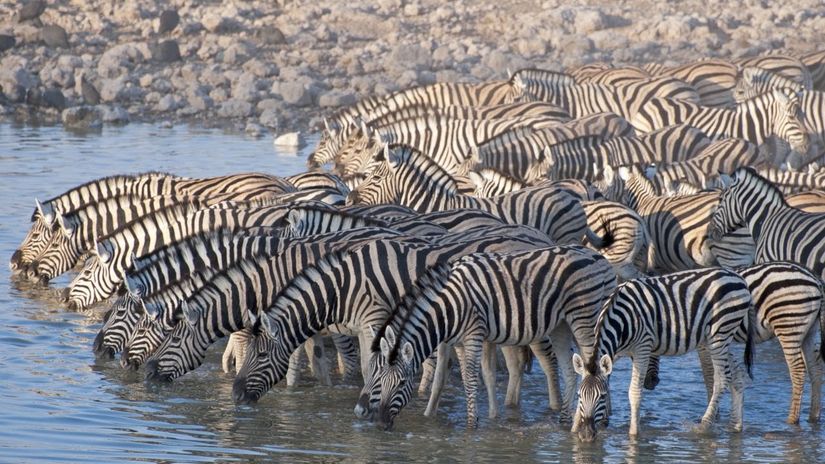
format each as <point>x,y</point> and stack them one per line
<point>385,348</point>
<point>151,310</point>
<point>624,173</point>
<point>190,314</point>
<point>749,74</point>
<point>509,74</point>
<point>606,364</point>
<point>578,364</point>
<point>268,326</point>
<point>407,352</point>
<point>47,216</point>
<point>607,173</point>
<point>373,331</point>
<point>389,335</point>
<point>364,129</point>
<point>62,225</point>
<point>326,125</point>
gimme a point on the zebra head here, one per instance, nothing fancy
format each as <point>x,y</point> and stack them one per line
<point>184,348</point>
<point>296,224</point>
<point>380,186</point>
<point>95,282</point>
<point>331,139</point>
<point>594,392</point>
<point>61,254</point>
<point>729,214</point>
<point>395,379</point>
<point>147,337</point>
<point>266,361</point>
<point>362,144</point>
<point>370,395</point>
<point>788,120</point>
<point>40,233</point>
<point>120,323</point>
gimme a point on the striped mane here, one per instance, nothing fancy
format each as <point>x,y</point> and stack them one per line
<point>750,175</point>
<point>114,179</point>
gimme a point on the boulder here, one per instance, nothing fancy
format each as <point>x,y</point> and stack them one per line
<point>168,21</point>
<point>81,117</point>
<point>166,52</point>
<point>31,10</point>
<point>54,36</point>
<point>234,108</point>
<point>7,42</point>
<point>113,114</point>
<point>121,58</point>
<point>270,35</point>
<point>295,93</point>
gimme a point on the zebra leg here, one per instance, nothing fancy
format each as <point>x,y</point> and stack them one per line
<point>641,359</point>
<point>706,365</point>
<point>739,383</point>
<point>516,358</point>
<point>792,350</point>
<point>439,378</point>
<point>488,372</point>
<point>428,369</point>
<point>347,355</point>
<point>816,372</point>
<point>721,377</point>
<point>549,364</point>
<point>314,347</point>
<point>562,340</point>
<point>295,366</point>
<point>473,347</point>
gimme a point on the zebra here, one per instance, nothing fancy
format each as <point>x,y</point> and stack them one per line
<point>713,79</point>
<point>513,152</point>
<point>491,297</point>
<point>786,66</point>
<point>585,99</point>
<point>386,212</point>
<point>757,81</point>
<point>318,180</point>
<point>417,182</point>
<point>224,305</point>
<point>145,185</point>
<point>678,228</point>
<point>311,221</point>
<point>772,114</point>
<point>590,70</point>
<point>722,156</point>
<point>788,301</point>
<point>435,95</point>
<point>789,182</point>
<point>815,62</point>
<point>780,231</point>
<point>448,141</point>
<point>168,269</point>
<point>115,253</point>
<point>614,76</point>
<point>40,233</point>
<point>664,316</point>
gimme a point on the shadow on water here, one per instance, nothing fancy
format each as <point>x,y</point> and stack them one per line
<point>60,404</point>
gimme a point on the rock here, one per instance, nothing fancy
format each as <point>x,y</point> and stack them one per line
<point>295,93</point>
<point>166,52</point>
<point>199,102</point>
<point>587,21</point>
<point>31,10</point>
<point>168,102</point>
<point>254,130</point>
<point>268,103</point>
<point>269,118</point>
<point>53,98</point>
<point>146,80</point>
<point>81,117</point>
<point>292,140</point>
<point>244,87</point>
<point>7,42</point>
<point>168,21</point>
<point>165,124</point>
<point>54,36</point>
<point>15,78</point>
<point>270,35</point>
<point>113,114</point>
<point>233,108</point>
<point>238,53</point>
<point>219,24</point>
<point>409,56</point>
<point>111,89</point>
<point>219,95</point>
<point>121,58</point>
<point>89,92</point>
<point>259,69</point>
<point>335,99</point>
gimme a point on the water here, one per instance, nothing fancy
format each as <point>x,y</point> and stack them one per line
<point>60,404</point>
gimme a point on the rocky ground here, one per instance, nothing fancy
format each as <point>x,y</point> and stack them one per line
<point>270,67</point>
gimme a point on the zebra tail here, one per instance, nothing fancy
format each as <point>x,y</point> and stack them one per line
<point>822,324</point>
<point>601,242</point>
<point>749,342</point>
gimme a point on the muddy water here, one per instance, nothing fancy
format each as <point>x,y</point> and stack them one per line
<point>59,404</point>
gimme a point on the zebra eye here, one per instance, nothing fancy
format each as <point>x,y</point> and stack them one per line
<point>176,339</point>
<point>263,355</point>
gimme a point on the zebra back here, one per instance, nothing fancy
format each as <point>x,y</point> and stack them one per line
<point>815,62</point>
<point>713,80</point>
<point>783,65</point>
<point>757,81</point>
<point>615,76</point>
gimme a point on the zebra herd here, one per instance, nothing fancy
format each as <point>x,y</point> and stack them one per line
<point>611,211</point>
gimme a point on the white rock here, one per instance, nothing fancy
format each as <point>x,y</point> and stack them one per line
<point>291,139</point>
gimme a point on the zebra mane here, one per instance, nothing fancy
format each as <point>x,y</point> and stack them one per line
<point>434,276</point>
<point>110,179</point>
<point>423,165</point>
<point>749,174</point>
<point>180,211</point>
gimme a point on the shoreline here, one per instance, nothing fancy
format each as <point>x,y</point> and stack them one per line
<point>266,68</point>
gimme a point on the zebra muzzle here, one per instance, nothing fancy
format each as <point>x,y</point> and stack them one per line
<point>104,352</point>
